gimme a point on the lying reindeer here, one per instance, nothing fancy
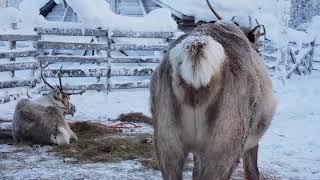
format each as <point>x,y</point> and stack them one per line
<point>41,120</point>
<point>211,96</point>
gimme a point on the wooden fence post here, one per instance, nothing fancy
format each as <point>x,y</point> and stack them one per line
<point>108,35</point>
<point>313,43</point>
<point>13,45</point>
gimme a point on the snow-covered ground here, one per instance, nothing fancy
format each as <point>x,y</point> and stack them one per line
<point>290,149</point>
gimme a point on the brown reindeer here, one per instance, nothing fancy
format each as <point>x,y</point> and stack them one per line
<point>41,120</point>
<point>211,96</point>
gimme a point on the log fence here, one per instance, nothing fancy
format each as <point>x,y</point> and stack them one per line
<point>13,60</point>
<point>109,65</point>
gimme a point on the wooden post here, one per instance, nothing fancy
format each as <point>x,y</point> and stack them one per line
<point>41,64</point>
<point>64,3</point>
<point>14,25</point>
<point>109,63</point>
<point>312,55</point>
<point>13,45</point>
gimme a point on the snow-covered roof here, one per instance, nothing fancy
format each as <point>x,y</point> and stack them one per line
<point>100,14</point>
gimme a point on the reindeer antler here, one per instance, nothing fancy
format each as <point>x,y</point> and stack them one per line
<point>42,77</point>
<point>76,93</point>
<point>60,81</point>
<point>213,11</point>
<point>61,87</point>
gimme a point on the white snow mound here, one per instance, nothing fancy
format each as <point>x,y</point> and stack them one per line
<point>99,13</point>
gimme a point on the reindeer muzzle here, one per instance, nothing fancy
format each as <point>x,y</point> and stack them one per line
<point>72,110</point>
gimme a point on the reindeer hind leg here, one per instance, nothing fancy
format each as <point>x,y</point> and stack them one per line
<point>196,167</point>
<point>250,164</point>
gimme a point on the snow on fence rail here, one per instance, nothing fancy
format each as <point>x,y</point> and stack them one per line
<point>51,50</point>
<point>108,65</point>
<point>302,59</point>
<point>107,59</point>
<point>71,66</point>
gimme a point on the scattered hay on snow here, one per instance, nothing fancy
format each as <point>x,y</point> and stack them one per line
<point>135,117</point>
<point>99,143</point>
<point>5,136</point>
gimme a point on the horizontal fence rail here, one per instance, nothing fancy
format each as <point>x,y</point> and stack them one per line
<point>16,53</point>
<point>18,37</point>
<point>107,65</point>
<point>99,59</point>
<point>13,60</point>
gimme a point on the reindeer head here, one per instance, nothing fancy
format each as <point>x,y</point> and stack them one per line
<point>61,100</point>
<point>253,34</point>
<point>59,97</point>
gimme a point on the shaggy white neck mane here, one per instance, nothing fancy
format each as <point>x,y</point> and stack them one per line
<point>46,100</point>
<point>196,70</point>
<point>43,100</point>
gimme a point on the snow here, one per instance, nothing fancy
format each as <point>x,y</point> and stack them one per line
<point>28,13</point>
<point>29,10</point>
<point>58,1</point>
<point>41,164</point>
<point>290,147</point>
<point>265,11</point>
<point>96,14</point>
<point>314,27</point>
<point>100,14</point>
<point>9,15</point>
<point>299,37</point>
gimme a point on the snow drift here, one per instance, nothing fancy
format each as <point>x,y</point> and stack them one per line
<point>266,11</point>
<point>99,13</point>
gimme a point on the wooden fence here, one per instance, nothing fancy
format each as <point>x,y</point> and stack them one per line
<point>107,66</point>
<point>104,60</point>
<point>99,65</point>
<point>13,60</point>
<point>302,59</point>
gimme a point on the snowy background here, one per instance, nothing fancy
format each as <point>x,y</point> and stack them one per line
<point>291,147</point>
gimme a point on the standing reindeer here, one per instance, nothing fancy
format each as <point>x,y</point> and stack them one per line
<point>41,120</point>
<point>211,96</point>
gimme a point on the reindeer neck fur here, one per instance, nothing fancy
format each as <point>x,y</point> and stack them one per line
<point>47,100</point>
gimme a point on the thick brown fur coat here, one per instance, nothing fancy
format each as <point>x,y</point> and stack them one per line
<point>234,109</point>
<point>35,123</point>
